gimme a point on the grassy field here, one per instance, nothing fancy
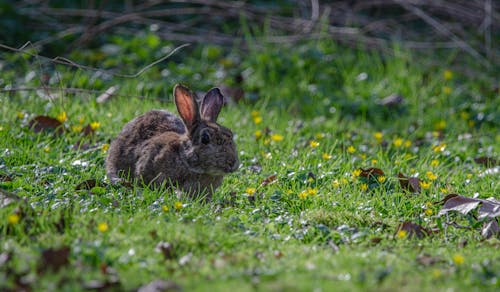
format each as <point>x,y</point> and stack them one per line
<point>302,213</point>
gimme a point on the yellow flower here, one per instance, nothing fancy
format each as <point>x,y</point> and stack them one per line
<point>401,234</point>
<point>443,190</point>
<point>105,147</point>
<point>20,115</point>
<point>430,175</point>
<point>374,161</point>
<point>254,114</point>
<point>378,136</point>
<point>447,74</point>
<point>76,128</point>
<point>13,219</point>
<point>314,144</point>
<point>326,156</point>
<point>251,191</point>
<point>277,137</point>
<point>319,136</point>
<point>81,120</point>
<point>439,148</point>
<point>103,226</point>
<point>397,142</point>
<point>425,185</point>
<point>436,273</point>
<point>351,149</point>
<point>336,183</point>
<point>356,173</point>
<point>257,120</point>
<point>165,208</point>
<point>434,162</point>
<point>95,125</point>
<point>447,90</point>
<point>178,205</point>
<point>46,149</point>
<point>257,134</point>
<point>458,259</point>
<point>381,179</point>
<point>312,191</point>
<point>441,125</point>
<point>407,143</point>
<point>62,117</point>
<point>310,180</point>
<point>303,194</point>
<point>464,115</point>
<point>363,187</point>
<point>343,180</point>
<point>428,212</point>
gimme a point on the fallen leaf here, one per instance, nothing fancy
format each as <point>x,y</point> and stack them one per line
<point>489,208</point>
<point>413,230</point>
<point>160,286</point>
<point>270,179</point>
<point>88,130</point>
<point>54,259</point>
<point>459,203</point>
<point>185,259</point>
<point>490,229</point>
<point>87,185</point>
<point>391,100</point>
<point>411,184</point>
<point>486,161</point>
<point>449,196</point>
<point>45,123</point>
<point>371,172</point>
<point>167,249</point>
<point>427,260</point>
<point>7,198</point>
<point>5,178</point>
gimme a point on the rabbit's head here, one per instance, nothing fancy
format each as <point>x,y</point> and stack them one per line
<point>210,148</point>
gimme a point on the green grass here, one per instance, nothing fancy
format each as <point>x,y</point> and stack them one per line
<point>256,236</point>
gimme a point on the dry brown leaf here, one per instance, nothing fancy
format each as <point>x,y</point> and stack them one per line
<point>45,123</point>
<point>167,249</point>
<point>411,184</point>
<point>270,179</point>
<point>489,208</point>
<point>413,230</point>
<point>486,161</point>
<point>459,203</point>
<point>54,259</point>
<point>88,130</point>
<point>392,100</point>
<point>371,172</point>
<point>490,229</point>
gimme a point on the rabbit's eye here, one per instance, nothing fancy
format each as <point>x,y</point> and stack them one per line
<point>205,138</point>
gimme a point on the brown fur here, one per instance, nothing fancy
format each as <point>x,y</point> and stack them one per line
<point>162,150</point>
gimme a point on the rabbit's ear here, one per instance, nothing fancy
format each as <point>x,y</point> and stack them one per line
<point>186,105</point>
<point>211,105</point>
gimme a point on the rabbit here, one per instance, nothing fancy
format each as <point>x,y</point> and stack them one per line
<point>191,154</point>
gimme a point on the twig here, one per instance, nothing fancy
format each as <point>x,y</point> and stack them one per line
<point>65,61</point>
<point>443,30</point>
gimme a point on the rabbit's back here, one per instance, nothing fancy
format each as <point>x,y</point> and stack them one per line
<point>122,153</point>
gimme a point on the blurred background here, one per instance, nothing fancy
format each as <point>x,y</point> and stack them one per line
<point>302,51</point>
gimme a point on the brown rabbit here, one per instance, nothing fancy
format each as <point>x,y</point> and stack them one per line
<point>192,154</point>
